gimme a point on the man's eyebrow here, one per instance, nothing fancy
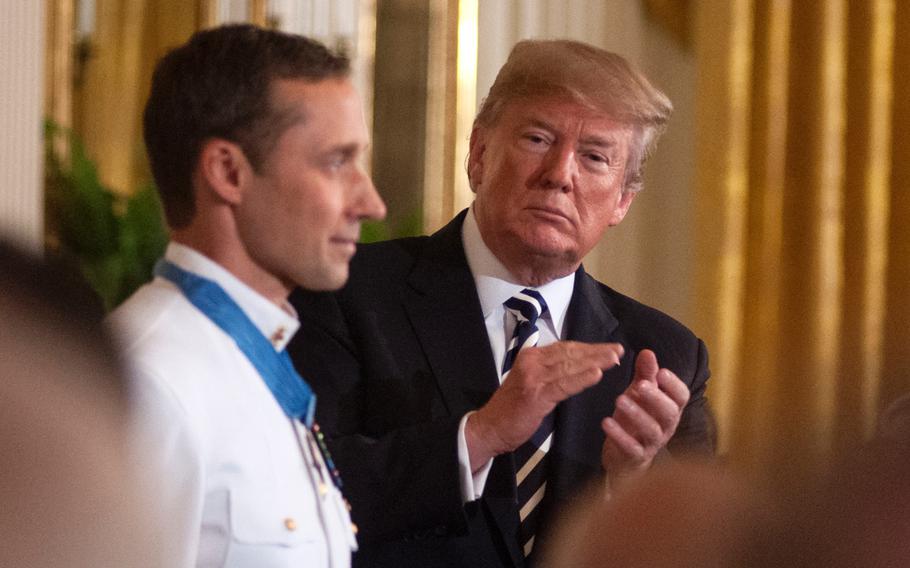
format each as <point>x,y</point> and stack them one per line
<point>345,149</point>
<point>608,141</point>
<point>540,123</point>
<point>600,141</point>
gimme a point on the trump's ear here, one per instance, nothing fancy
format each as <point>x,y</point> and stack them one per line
<point>223,169</point>
<point>622,207</point>
<point>475,158</point>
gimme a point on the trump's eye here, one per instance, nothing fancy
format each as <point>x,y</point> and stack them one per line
<point>535,141</point>
<point>597,158</point>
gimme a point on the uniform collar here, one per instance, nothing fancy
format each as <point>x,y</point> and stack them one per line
<point>495,284</point>
<point>277,323</point>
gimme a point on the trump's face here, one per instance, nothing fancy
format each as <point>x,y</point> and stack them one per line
<point>548,175</point>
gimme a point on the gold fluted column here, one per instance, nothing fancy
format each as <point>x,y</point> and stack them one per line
<point>106,115</point>
<point>129,37</point>
<point>58,70</point>
<point>442,49</point>
<point>207,13</point>
<point>451,105</point>
<point>258,11</point>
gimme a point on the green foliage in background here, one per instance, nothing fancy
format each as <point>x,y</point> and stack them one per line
<point>409,226</point>
<point>114,239</point>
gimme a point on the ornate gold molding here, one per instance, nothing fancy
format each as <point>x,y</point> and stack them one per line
<point>58,69</point>
<point>451,104</point>
<point>258,12</point>
<point>207,13</point>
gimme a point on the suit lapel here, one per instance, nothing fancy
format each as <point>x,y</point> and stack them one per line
<point>445,311</point>
<point>443,306</point>
<point>578,437</point>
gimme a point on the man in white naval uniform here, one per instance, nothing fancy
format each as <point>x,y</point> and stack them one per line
<point>255,139</point>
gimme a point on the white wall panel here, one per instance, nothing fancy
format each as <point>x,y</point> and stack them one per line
<point>21,96</point>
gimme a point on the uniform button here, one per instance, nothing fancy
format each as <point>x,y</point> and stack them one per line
<point>323,488</point>
<point>290,524</point>
<point>354,528</point>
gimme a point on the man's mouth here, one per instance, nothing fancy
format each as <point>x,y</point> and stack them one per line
<point>549,213</point>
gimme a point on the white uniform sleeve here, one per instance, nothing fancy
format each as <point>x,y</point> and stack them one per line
<point>170,460</point>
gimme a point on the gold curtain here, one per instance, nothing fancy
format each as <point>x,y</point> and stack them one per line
<point>129,36</point>
<point>803,140</point>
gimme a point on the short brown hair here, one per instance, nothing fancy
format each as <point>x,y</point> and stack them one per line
<point>594,77</point>
<point>217,85</point>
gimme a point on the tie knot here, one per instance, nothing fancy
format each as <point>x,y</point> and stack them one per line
<point>527,305</point>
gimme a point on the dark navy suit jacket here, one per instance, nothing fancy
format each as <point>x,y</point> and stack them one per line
<point>398,357</point>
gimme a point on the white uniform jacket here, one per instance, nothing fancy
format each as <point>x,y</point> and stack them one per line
<point>240,484</point>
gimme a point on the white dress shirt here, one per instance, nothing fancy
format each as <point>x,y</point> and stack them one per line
<point>495,284</point>
<point>241,484</point>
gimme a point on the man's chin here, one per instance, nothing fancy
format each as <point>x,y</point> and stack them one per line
<point>544,261</point>
<point>550,247</point>
<point>326,281</point>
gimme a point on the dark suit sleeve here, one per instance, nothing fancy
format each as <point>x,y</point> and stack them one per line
<point>696,433</point>
<point>395,447</point>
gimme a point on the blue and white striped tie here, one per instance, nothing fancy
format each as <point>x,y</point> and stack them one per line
<point>531,457</point>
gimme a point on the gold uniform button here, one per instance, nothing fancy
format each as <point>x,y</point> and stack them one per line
<point>354,528</point>
<point>290,524</point>
<point>323,489</point>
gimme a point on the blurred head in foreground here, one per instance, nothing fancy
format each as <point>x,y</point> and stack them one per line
<point>685,514</point>
<point>66,488</point>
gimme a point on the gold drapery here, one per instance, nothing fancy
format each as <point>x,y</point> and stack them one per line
<point>129,36</point>
<point>803,264</point>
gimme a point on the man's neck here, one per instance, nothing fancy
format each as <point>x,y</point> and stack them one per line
<point>536,274</point>
<point>233,257</point>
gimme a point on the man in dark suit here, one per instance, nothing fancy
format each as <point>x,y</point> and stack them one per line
<point>472,382</point>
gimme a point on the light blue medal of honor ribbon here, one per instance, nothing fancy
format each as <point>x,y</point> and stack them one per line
<point>293,393</point>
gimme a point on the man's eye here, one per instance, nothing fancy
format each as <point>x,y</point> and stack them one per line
<point>598,159</point>
<point>337,162</point>
<point>535,141</point>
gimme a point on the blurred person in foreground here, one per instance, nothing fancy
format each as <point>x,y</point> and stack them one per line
<point>255,139</point>
<point>474,381</point>
<point>682,514</point>
<point>856,516</point>
<point>894,422</point>
<point>68,491</point>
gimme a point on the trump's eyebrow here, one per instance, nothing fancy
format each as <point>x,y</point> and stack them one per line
<point>599,141</point>
<point>605,142</point>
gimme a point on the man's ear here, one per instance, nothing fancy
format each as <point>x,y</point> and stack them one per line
<point>475,158</point>
<point>223,168</point>
<point>622,207</point>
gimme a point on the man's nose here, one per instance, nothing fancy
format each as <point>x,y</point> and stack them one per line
<point>559,168</point>
<point>369,204</point>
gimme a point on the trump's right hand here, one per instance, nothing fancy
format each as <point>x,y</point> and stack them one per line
<point>541,378</point>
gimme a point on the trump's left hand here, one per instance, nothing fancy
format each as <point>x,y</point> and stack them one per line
<point>646,417</point>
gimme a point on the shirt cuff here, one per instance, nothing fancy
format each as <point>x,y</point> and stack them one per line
<point>472,484</point>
